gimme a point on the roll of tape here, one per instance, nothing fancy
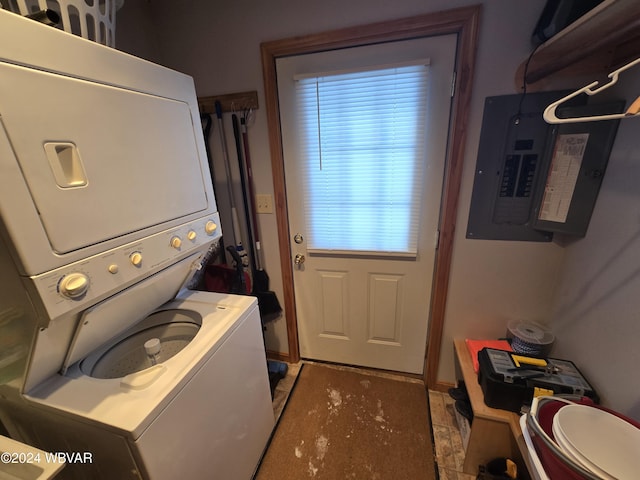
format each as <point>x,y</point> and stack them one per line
<point>530,338</point>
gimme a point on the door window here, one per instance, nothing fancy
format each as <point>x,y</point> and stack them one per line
<point>362,134</point>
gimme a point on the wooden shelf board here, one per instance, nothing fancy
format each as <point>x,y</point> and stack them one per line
<point>591,42</point>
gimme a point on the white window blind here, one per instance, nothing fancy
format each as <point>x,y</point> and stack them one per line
<point>363,138</point>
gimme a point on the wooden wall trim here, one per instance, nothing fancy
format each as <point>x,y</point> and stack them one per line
<point>467,47</point>
<point>269,56</point>
<point>461,21</point>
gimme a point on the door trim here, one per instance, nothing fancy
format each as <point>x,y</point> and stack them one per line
<point>461,21</point>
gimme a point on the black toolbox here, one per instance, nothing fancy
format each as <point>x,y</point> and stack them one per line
<point>510,380</point>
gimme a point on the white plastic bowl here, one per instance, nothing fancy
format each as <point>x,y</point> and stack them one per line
<point>603,443</point>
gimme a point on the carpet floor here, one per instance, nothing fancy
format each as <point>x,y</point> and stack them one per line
<point>344,424</point>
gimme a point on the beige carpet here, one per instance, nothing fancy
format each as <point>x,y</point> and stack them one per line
<point>343,424</point>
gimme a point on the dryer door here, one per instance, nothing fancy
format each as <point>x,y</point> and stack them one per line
<point>100,161</point>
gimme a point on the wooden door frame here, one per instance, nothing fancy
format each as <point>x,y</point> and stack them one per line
<point>464,22</point>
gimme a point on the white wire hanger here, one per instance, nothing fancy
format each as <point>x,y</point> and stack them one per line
<point>634,110</point>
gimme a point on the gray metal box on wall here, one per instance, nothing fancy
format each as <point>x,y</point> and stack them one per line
<point>508,173</point>
<point>532,178</point>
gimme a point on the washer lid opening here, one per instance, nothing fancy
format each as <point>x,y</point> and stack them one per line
<point>173,328</point>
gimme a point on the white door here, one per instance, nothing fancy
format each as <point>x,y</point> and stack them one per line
<point>361,300</point>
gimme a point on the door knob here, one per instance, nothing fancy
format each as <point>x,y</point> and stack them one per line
<point>299,259</point>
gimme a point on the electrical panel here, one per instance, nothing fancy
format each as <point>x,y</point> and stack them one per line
<point>517,194</point>
<point>512,143</point>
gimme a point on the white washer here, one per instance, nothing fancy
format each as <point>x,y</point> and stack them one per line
<point>203,413</point>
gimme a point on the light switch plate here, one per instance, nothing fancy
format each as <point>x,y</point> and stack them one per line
<point>264,203</point>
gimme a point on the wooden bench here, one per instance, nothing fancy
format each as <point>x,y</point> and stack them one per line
<point>493,433</point>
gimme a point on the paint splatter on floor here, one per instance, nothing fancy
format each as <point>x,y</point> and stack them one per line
<point>335,397</point>
<point>322,445</point>
<point>335,401</point>
<point>374,475</point>
<point>298,450</point>
<point>380,413</point>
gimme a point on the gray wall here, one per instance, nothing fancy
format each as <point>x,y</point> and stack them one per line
<point>583,291</point>
<point>596,315</point>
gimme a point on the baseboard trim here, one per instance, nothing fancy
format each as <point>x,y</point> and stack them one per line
<point>279,356</point>
<point>442,387</point>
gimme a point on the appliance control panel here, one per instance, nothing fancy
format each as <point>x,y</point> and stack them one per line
<point>79,285</point>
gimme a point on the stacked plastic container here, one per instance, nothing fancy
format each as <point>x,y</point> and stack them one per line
<point>574,439</point>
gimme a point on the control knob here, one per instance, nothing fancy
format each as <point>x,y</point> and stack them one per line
<point>210,227</point>
<point>136,259</point>
<point>74,285</point>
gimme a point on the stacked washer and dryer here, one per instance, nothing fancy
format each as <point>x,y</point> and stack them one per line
<point>107,211</point>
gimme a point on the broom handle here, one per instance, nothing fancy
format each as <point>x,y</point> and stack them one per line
<point>248,207</point>
<point>227,168</point>
<point>252,196</point>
